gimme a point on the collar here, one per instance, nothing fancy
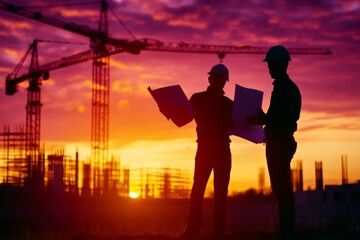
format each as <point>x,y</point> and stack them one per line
<point>280,80</point>
<point>213,91</point>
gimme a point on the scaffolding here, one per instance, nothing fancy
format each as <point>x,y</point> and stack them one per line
<point>125,186</point>
<point>112,177</point>
<point>59,174</point>
<point>13,163</point>
<point>297,176</point>
<point>166,183</point>
<point>62,173</point>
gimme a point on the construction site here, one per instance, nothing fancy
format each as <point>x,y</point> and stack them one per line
<point>60,175</point>
<point>59,193</point>
<point>48,188</point>
<point>25,162</point>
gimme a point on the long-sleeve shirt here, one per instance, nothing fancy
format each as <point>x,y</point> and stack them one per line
<point>285,106</point>
<point>213,116</point>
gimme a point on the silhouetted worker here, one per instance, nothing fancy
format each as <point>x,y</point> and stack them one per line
<point>280,124</point>
<point>213,116</point>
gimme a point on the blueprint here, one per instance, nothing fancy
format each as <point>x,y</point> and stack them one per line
<point>173,104</point>
<point>247,102</point>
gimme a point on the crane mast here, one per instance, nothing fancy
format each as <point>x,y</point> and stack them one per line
<point>100,102</point>
<point>101,48</point>
<point>35,162</point>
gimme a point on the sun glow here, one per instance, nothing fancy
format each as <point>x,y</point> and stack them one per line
<point>133,195</point>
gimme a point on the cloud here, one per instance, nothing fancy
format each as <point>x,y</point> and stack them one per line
<point>122,86</point>
<point>66,13</point>
<point>118,64</point>
<point>329,84</point>
<point>189,21</point>
<point>81,108</point>
<point>123,103</point>
<point>11,54</point>
<point>16,27</point>
<point>292,23</point>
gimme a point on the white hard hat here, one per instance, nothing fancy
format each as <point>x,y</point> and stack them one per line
<point>220,69</point>
<point>277,53</point>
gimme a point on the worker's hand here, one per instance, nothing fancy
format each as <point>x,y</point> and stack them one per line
<point>253,120</point>
<point>262,117</point>
<point>258,119</point>
<point>231,124</point>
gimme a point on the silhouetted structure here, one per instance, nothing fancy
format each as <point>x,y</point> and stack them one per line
<point>62,173</point>
<point>12,163</point>
<point>319,176</point>
<point>297,177</point>
<point>62,203</point>
<point>85,190</point>
<point>165,183</point>
<point>21,169</point>
<point>344,170</point>
<point>61,176</point>
<point>112,177</point>
<point>261,180</point>
<point>77,192</point>
<point>55,174</point>
<point>125,190</point>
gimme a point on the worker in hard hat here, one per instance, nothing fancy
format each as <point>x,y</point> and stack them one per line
<point>280,124</point>
<point>213,117</point>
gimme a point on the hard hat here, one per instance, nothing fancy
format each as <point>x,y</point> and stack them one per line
<point>220,69</point>
<point>277,53</point>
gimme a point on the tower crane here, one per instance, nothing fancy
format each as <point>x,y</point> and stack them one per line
<point>101,48</point>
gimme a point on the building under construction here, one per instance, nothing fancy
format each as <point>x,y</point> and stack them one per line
<point>297,176</point>
<point>58,192</point>
<point>13,167</point>
<point>56,173</point>
<point>160,182</point>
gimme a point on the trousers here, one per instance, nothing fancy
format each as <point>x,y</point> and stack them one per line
<point>280,149</point>
<point>208,158</point>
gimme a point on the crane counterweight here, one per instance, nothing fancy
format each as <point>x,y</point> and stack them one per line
<point>10,87</point>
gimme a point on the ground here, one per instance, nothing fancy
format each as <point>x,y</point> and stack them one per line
<point>309,235</point>
<point>302,235</point>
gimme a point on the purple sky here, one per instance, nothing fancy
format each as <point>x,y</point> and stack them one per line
<point>330,84</point>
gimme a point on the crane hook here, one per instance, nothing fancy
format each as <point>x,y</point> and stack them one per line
<point>221,56</point>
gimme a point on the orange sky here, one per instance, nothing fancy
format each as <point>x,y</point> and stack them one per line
<point>141,137</point>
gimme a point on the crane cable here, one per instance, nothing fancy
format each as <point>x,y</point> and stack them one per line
<point>123,24</point>
<point>62,42</point>
<point>32,45</point>
<point>62,5</point>
<point>85,3</point>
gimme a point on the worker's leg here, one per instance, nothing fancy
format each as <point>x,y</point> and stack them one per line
<point>222,168</point>
<point>279,152</point>
<point>202,172</point>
